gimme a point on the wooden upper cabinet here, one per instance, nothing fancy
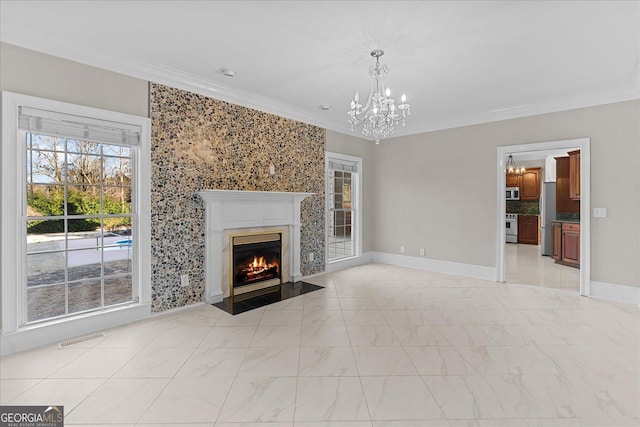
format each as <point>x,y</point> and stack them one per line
<point>531,186</point>
<point>513,180</point>
<point>574,175</point>
<point>564,203</point>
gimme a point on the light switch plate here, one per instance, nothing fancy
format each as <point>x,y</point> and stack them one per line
<point>184,280</point>
<point>599,212</point>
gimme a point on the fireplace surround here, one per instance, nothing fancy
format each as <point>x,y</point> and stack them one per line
<point>229,213</point>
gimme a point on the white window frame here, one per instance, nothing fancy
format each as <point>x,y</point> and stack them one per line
<point>357,218</point>
<point>15,336</point>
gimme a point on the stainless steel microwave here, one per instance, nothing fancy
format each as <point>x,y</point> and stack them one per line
<point>513,193</point>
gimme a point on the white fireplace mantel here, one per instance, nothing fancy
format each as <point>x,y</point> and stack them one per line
<point>233,209</point>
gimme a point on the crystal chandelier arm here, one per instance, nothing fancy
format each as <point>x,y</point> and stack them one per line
<point>359,114</point>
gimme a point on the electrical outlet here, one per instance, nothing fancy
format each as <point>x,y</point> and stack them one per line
<point>184,280</point>
<point>599,212</point>
<point>422,251</point>
<point>401,249</point>
<point>272,169</point>
<point>311,256</point>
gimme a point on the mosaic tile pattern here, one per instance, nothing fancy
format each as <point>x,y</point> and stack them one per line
<point>200,143</point>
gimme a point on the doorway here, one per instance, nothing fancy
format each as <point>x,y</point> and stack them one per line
<point>529,255</point>
<point>533,268</point>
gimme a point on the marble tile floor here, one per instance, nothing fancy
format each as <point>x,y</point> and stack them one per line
<point>526,266</point>
<point>379,346</point>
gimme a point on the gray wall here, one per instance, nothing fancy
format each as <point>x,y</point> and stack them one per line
<point>436,190</point>
<point>36,74</point>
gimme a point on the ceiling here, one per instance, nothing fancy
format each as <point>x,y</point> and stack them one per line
<point>459,62</point>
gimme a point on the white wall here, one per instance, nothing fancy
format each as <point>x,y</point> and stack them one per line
<point>436,190</point>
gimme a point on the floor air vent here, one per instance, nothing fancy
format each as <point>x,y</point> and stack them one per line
<point>79,340</point>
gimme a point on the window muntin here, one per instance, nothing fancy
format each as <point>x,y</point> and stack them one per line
<point>78,226</point>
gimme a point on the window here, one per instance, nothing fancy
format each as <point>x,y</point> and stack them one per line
<point>343,210</point>
<point>75,203</point>
<point>78,225</point>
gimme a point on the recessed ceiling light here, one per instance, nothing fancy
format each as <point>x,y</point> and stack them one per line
<point>325,107</point>
<point>227,72</point>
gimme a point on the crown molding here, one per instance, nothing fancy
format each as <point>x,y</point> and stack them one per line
<point>170,77</point>
<point>185,81</point>
<point>551,106</point>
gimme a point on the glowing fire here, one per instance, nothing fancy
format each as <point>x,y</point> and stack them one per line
<point>258,263</point>
<point>259,269</point>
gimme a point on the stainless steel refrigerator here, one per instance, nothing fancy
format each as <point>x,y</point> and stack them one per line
<point>548,212</point>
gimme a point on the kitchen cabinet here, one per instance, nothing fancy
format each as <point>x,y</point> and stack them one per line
<point>531,187</point>
<point>528,229</point>
<point>571,244</point>
<point>574,175</point>
<point>566,243</point>
<point>564,203</point>
<point>513,180</point>
<point>557,241</point>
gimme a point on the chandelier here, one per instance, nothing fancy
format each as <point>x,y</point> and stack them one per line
<point>512,168</point>
<point>380,114</point>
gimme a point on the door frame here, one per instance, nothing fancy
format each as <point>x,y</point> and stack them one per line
<point>585,202</point>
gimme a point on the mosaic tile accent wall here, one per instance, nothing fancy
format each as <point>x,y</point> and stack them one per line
<point>201,143</point>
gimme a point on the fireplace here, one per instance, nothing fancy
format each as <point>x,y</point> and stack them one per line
<point>256,262</point>
<point>232,213</point>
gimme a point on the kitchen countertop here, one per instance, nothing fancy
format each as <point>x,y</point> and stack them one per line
<point>566,221</point>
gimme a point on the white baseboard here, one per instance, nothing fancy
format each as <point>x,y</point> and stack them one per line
<point>448,267</point>
<point>455,268</point>
<point>56,331</point>
<point>618,293</point>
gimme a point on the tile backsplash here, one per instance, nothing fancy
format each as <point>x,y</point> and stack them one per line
<point>519,207</point>
<point>567,216</point>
